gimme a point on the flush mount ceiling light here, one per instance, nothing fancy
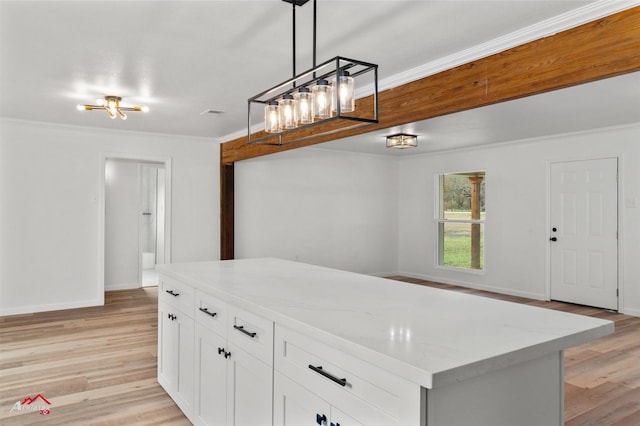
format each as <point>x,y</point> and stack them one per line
<point>321,94</point>
<point>111,104</point>
<point>402,141</point>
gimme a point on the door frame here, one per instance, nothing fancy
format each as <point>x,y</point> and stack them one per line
<point>620,184</point>
<point>104,156</point>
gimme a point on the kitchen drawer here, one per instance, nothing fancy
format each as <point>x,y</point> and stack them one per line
<point>177,294</point>
<point>211,313</point>
<point>341,379</point>
<point>251,332</point>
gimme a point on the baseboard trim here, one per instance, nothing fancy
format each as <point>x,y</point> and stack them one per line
<point>631,311</point>
<point>475,286</point>
<point>32,309</point>
<point>126,286</point>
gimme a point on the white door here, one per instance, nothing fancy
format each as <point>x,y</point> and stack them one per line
<point>583,234</point>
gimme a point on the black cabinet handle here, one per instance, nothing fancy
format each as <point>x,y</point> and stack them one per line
<point>206,311</point>
<point>321,419</point>
<point>241,329</point>
<point>553,239</point>
<point>335,424</point>
<point>172,317</point>
<point>220,351</point>
<point>319,370</point>
<point>227,354</point>
<point>172,293</point>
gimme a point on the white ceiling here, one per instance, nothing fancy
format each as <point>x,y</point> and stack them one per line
<point>183,57</point>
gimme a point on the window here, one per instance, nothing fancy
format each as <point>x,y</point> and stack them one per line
<point>461,220</point>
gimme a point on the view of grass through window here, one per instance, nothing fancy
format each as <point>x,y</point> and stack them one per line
<point>461,220</point>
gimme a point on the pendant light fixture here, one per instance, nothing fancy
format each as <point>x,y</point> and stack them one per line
<point>111,104</point>
<point>323,93</point>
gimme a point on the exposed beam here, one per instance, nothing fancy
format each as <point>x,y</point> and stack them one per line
<point>600,49</point>
<point>226,211</point>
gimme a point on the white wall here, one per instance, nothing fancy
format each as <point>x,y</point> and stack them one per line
<point>49,218</point>
<point>516,234</point>
<point>122,207</point>
<point>318,206</point>
<point>342,210</point>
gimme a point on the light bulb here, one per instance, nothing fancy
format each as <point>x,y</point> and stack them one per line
<point>287,112</point>
<point>272,117</point>
<point>81,107</point>
<point>346,92</point>
<point>144,109</point>
<point>304,113</point>
<point>321,99</point>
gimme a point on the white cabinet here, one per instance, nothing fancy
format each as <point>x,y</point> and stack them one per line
<point>249,389</point>
<point>210,378</point>
<point>275,344</point>
<point>175,355</point>
<point>233,365</point>
<point>357,392</point>
<point>295,405</point>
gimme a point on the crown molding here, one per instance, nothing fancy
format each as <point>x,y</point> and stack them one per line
<point>546,28</point>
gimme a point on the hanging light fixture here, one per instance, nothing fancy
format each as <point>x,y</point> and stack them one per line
<point>111,104</point>
<point>326,92</point>
<point>402,141</point>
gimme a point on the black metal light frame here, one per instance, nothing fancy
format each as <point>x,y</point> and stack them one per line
<point>325,71</point>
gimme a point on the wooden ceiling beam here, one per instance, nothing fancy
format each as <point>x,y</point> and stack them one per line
<point>600,49</point>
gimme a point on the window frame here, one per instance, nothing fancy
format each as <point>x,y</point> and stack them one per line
<point>440,221</point>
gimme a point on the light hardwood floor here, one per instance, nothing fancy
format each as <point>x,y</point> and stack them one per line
<point>97,366</point>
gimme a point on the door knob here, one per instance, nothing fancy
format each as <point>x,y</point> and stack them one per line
<point>553,239</point>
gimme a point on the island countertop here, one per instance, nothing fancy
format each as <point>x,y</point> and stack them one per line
<point>429,336</point>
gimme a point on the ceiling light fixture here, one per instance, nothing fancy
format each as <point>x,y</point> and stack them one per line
<point>111,104</point>
<point>321,94</point>
<point>402,141</point>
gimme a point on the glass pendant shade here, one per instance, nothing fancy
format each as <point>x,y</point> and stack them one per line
<point>304,113</point>
<point>272,117</point>
<point>287,112</point>
<point>321,99</point>
<point>345,92</point>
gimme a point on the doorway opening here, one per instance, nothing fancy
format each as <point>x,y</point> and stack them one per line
<point>135,220</point>
<point>151,180</point>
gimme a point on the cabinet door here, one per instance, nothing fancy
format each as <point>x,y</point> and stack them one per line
<point>167,354</point>
<point>184,329</point>
<point>250,384</point>
<point>210,405</point>
<point>340,418</point>
<point>294,405</point>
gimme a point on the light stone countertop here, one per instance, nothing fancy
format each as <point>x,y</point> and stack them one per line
<point>428,336</point>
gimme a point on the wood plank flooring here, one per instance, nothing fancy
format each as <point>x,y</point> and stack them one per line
<point>97,366</point>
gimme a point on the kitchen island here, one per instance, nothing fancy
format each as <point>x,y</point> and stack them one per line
<point>269,341</point>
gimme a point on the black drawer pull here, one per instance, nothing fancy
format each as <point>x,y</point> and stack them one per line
<point>321,419</point>
<point>172,293</point>
<point>319,370</point>
<point>241,328</point>
<point>206,311</point>
<point>220,351</point>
